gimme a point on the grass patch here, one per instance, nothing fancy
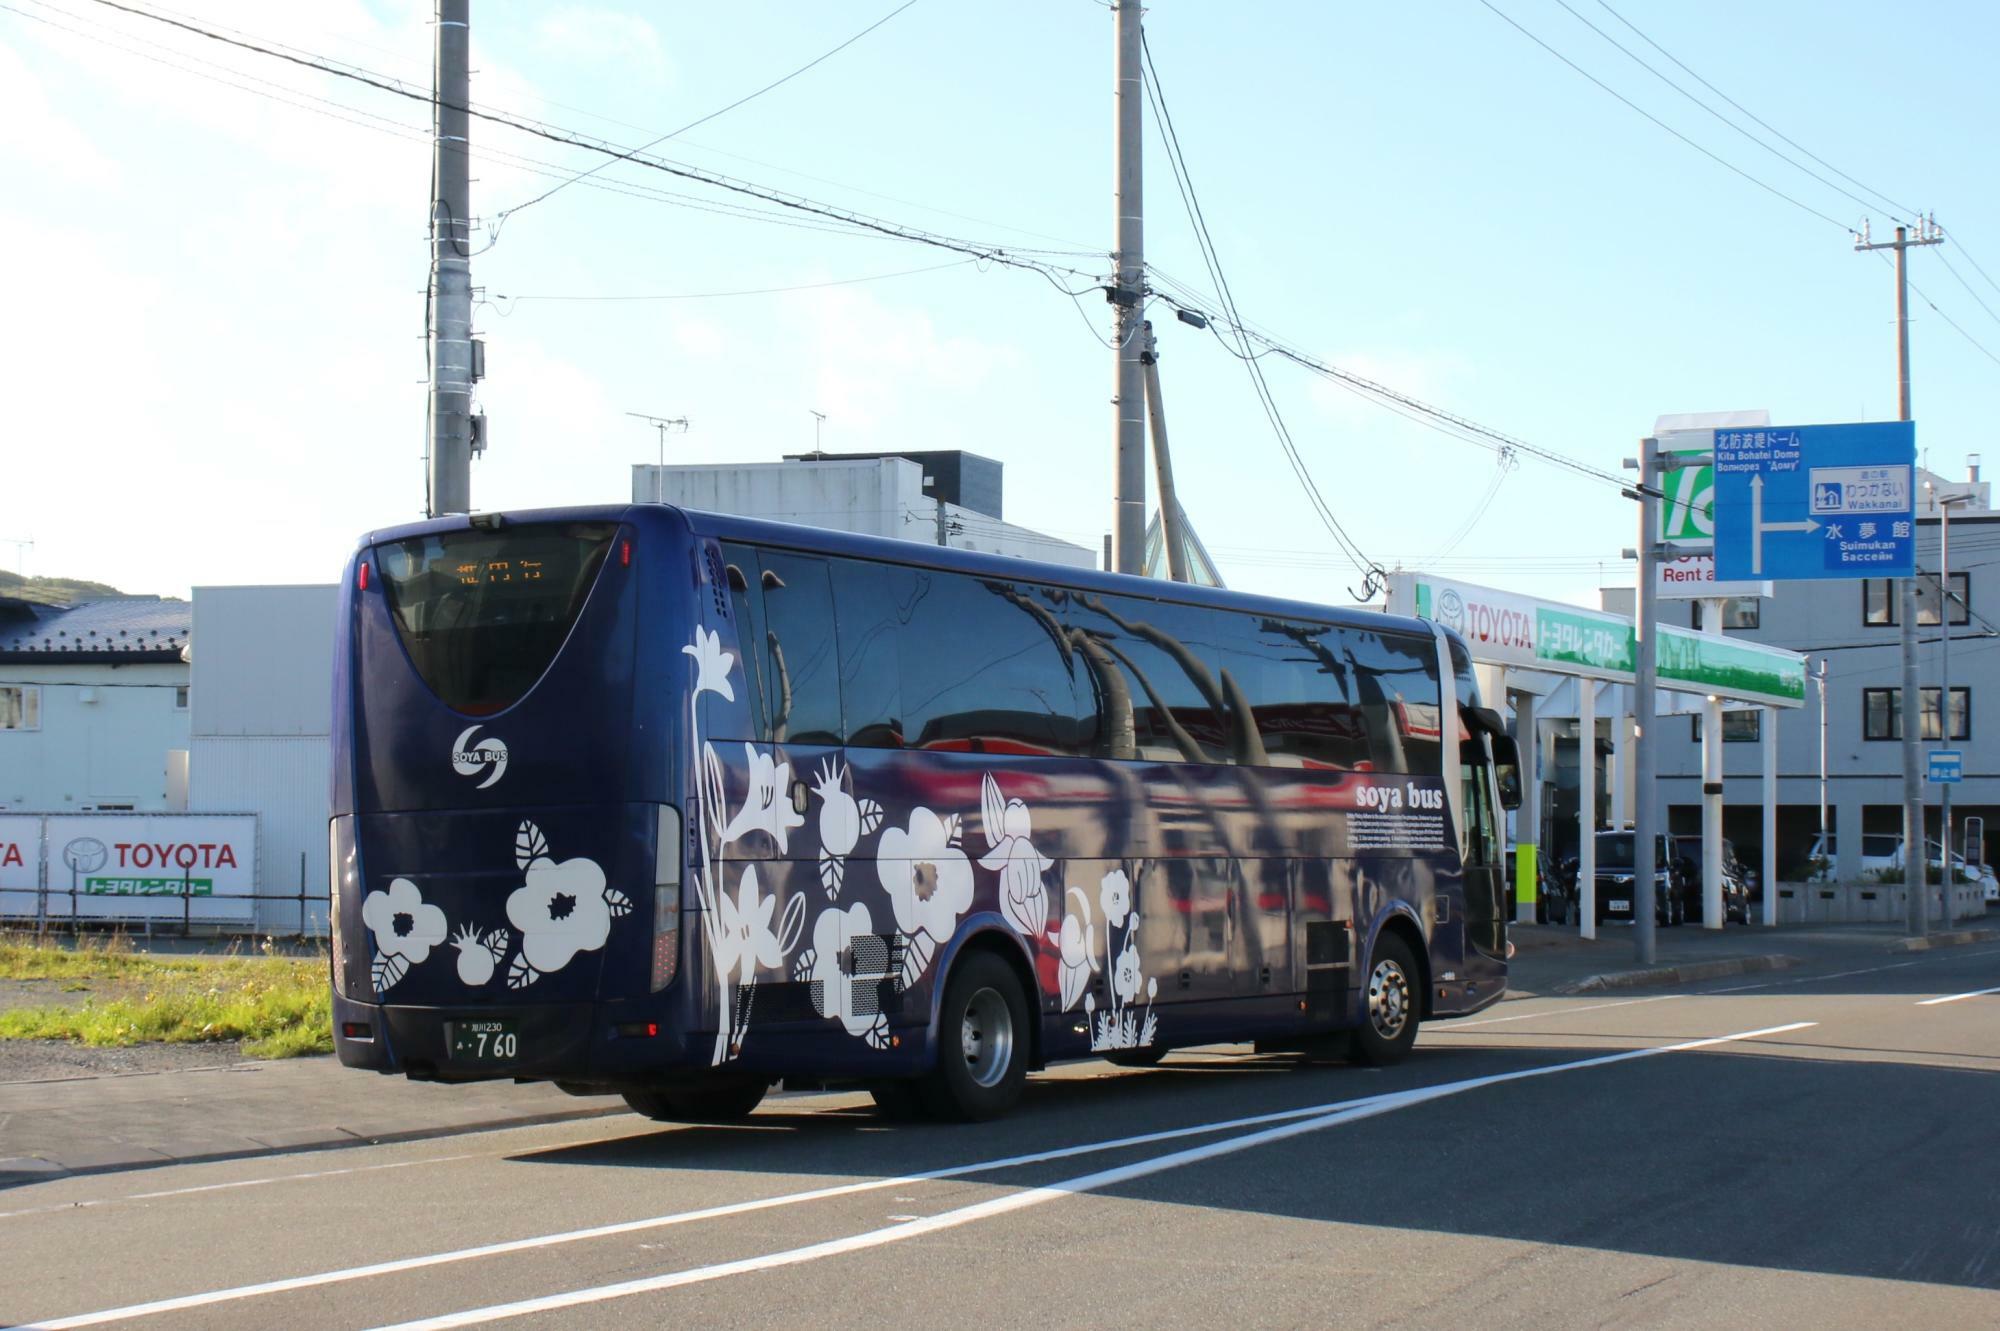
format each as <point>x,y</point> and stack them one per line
<point>279,1007</point>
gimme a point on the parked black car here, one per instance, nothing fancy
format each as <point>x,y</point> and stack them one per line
<point>1680,881</point>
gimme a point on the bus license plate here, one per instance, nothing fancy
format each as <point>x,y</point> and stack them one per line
<point>1619,903</point>
<point>485,1041</point>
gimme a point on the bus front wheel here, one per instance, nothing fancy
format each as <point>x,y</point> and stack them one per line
<point>982,1042</point>
<point>1391,1000</point>
<point>713,1102</point>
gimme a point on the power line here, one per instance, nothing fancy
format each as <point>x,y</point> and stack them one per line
<point>1639,61</point>
<point>1712,156</point>
<point>1968,286</point>
<point>1892,204</point>
<point>501,220</point>
<point>747,291</point>
<point>1205,242</point>
<point>1010,257</point>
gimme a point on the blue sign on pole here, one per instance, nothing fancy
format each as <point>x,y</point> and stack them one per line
<point>1947,766</point>
<point>1816,501</point>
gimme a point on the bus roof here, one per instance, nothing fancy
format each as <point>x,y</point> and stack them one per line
<point>821,540</point>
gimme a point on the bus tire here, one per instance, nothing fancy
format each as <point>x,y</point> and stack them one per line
<point>710,1102</point>
<point>1391,999</point>
<point>982,1042</point>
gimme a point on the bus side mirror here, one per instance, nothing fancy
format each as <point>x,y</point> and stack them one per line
<point>1507,767</point>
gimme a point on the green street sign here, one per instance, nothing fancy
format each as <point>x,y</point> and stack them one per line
<point>1687,514</point>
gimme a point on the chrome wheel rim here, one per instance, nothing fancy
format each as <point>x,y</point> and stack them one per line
<point>986,1038</point>
<point>1388,999</point>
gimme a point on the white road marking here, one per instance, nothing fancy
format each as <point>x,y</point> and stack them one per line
<point>676,1218</point>
<point>238,1183</point>
<point>1953,998</point>
<point>1018,1201</point>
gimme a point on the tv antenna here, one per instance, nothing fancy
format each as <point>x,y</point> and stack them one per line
<point>819,419</point>
<point>21,549</point>
<point>678,424</point>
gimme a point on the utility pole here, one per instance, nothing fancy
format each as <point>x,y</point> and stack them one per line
<point>452,353</point>
<point>1945,737</point>
<point>1128,296</point>
<point>1646,679</point>
<point>1163,462</point>
<point>1913,785</point>
<point>1822,755</point>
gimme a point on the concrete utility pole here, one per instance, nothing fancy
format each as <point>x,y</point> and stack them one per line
<point>1913,781</point>
<point>1712,909</point>
<point>1128,298</point>
<point>1645,684</point>
<point>1163,462</point>
<point>451,425</point>
<point>1945,737</point>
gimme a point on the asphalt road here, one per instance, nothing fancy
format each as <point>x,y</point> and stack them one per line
<point>1806,1150</point>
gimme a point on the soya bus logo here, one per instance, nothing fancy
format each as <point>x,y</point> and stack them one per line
<point>488,756</point>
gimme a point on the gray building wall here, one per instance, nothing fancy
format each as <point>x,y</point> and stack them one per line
<point>1864,776</point>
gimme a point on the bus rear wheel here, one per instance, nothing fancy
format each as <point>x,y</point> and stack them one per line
<point>1391,1001</point>
<point>982,1042</point>
<point>709,1102</point>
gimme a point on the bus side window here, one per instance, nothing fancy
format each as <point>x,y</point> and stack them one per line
<point>1296,682</point>
<point>746,607</point>
<point>876,604</point>
<point>801,685</point>
<point>986,669</point>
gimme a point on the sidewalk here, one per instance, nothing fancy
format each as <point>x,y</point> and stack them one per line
<point>91,1124</point>
<point>82,1125</point>
<point>1551,960</point>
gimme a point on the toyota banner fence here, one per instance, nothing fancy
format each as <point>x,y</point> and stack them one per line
<point>185,872</point>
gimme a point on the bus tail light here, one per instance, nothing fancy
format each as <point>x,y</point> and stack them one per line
<point>667,852</point>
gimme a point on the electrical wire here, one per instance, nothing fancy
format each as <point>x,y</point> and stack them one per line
<point>1372,573</point>
<point>501,219</point>
<point>1967,285</point>
<point>1717,158</point>
<point>1893,206</point>
<point>747,291</point>
<point>1013,257</point>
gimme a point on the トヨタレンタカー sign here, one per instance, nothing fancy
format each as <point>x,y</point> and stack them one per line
<point>1506,628</point>
<point>130,865</point>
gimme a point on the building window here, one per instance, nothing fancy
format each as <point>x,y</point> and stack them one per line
<point>1882,713</point>
<point>1878,601</point>
<point>1738,612</point>
<point>180,697</point>
<point>1961,599</point>
<point>1737,727</point>
<point>20,707</point>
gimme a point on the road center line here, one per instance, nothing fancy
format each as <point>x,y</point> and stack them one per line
<point>1551,1012</point>
<point>1953,998</point>
<point>1018,1201</point>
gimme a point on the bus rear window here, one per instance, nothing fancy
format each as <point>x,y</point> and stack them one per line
<point>483,613</point>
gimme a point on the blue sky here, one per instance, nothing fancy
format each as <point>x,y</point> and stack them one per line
<point>213,331</point>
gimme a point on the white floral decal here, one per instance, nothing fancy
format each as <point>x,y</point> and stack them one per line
<point>1073,947</point>
<point>405,927</point>
<point>738,931</point>
<point>846,965</point>
<point>711,664</point>
<point>843,821</point>
<point>1123,1025</point>
<point>768,806</point>
<point>929,882</point>
<point>1023,899</point>
<point>561,910</point>
<point>479,953</point>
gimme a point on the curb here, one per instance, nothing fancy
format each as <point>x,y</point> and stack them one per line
<point>1955,938</point>
<point>18,1170</point>
<point>1682,974</point>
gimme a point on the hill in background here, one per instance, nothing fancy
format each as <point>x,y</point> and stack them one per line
<point>52,591</point>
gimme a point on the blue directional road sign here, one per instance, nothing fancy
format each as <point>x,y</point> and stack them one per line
<point>1947,766</point>
<point>1816,501</point>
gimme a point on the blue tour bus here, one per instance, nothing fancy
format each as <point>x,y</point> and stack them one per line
<point>672,805</point>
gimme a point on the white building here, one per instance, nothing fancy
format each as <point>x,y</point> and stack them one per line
<point>93,703</point>
<point>940,498</point>
<point>261,736</point>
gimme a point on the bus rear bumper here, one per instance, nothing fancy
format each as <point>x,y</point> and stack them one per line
<point>599,1044</point>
